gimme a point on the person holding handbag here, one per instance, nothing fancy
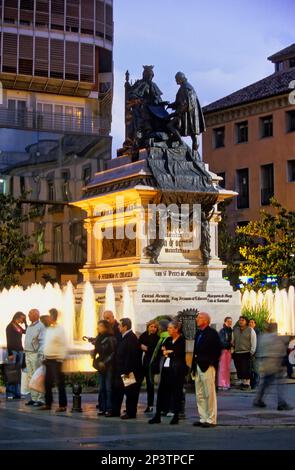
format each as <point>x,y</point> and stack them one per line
<point>104,353</point>
<point>15,350</point>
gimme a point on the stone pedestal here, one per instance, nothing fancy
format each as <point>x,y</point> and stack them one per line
<point>118,202</point>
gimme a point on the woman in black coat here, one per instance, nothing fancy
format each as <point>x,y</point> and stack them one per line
<point>104,355</point>
<point>148,342</point>
<point>15,350</point>
<point>172,375</point>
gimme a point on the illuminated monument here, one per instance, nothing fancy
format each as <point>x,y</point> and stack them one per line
<point>152,216</point>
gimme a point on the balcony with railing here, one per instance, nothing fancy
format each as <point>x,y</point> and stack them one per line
<point>59,123</point>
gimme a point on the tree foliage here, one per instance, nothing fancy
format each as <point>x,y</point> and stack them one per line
<point>17,250</point>
<point>269,246</point>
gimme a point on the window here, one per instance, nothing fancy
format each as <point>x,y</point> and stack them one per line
<point>243,188</point>
<point>78,242</point>
<point>290,121</point>
<point>292,63</point>
<point>242,132</point>
<point>2,185</point>
<point>279,66</point>
<point>243,223</point>
<point>65,176</point>
<point>57,244</point>
<point>266,126</point>
<point>267,184</point>
<point>221,183</point>
<point>218,137</point>
<point>22,184</point>
<point>291,171</point>
<point>9,52</point>
<point>86,175</point>
<point>17,112</point>
<point>50,190</point>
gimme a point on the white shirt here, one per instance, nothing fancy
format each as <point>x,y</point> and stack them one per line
<point>55,346</point>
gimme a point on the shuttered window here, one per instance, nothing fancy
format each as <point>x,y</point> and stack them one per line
<point>57,14</point>
<point>25,61</point>
<point>42,13</point>
<point>87,17</point>
<point>26,15</point>
<point>109,22</point>
<point>56,58</point>
<point>72,61</point>
<point>10,11</point>
<point>99,24</point>
<point>87,72</point>
<point>72,15</point>
<point>9,52</point>
<point>41,60</point>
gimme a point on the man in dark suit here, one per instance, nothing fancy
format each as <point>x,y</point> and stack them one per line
<point>206,355</point>
<point>128,360</point>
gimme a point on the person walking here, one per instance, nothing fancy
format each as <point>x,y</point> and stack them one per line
<point>244,341</point>
<point>271,353</point>
<point>14,331</point>
<point>206,355</point>
<point>104,350</point>
<point>172,374</point>
<point>254,379</point>
<point>34,342</point>
<point>128,367</point>
<point>148,342</point>
<point>225,335</point>
<point>54,353</point>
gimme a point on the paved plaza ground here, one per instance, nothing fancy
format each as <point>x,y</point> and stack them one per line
<point>240,427</point>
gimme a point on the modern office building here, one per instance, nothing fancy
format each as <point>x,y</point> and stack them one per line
<point>56,73</point>
<point>250,141</point>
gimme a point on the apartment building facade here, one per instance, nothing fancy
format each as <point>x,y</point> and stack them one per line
<point>56,74</point>
<point>250,141</point>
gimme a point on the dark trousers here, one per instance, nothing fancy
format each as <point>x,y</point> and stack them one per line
<point>243,365</point>
<point>105,391</point>
<point>170,391</point>
<point>150,388</point>
<point>132,396</point>
<point>55,376</point>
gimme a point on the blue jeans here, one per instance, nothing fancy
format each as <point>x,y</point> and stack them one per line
<point>13,390</point>
<point>105,391</point>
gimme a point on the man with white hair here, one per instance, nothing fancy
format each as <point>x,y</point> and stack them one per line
<point>206,355</point>
<point>34,342</point>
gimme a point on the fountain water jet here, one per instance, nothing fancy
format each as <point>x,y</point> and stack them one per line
<point>110,299</point>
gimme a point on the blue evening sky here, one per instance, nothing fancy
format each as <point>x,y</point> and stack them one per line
<point>221,45</point>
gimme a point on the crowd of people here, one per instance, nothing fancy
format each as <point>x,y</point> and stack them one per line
<point>124,360</point>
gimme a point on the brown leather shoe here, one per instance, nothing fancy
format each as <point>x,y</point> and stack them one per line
<point>61,409</point>
<point>45,408</point>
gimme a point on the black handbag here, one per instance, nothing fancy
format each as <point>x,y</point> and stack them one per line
<point>12,374</point>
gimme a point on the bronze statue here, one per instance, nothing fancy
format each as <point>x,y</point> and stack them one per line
<point>139,97</point>
<point>188,119</point>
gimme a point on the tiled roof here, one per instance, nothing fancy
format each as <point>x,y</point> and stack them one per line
<point>275,84</point>
<point>284,53</point>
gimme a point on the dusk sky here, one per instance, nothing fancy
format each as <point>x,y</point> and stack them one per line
<point>221,45</point>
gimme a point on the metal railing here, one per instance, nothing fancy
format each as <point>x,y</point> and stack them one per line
<point>61,123</point>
